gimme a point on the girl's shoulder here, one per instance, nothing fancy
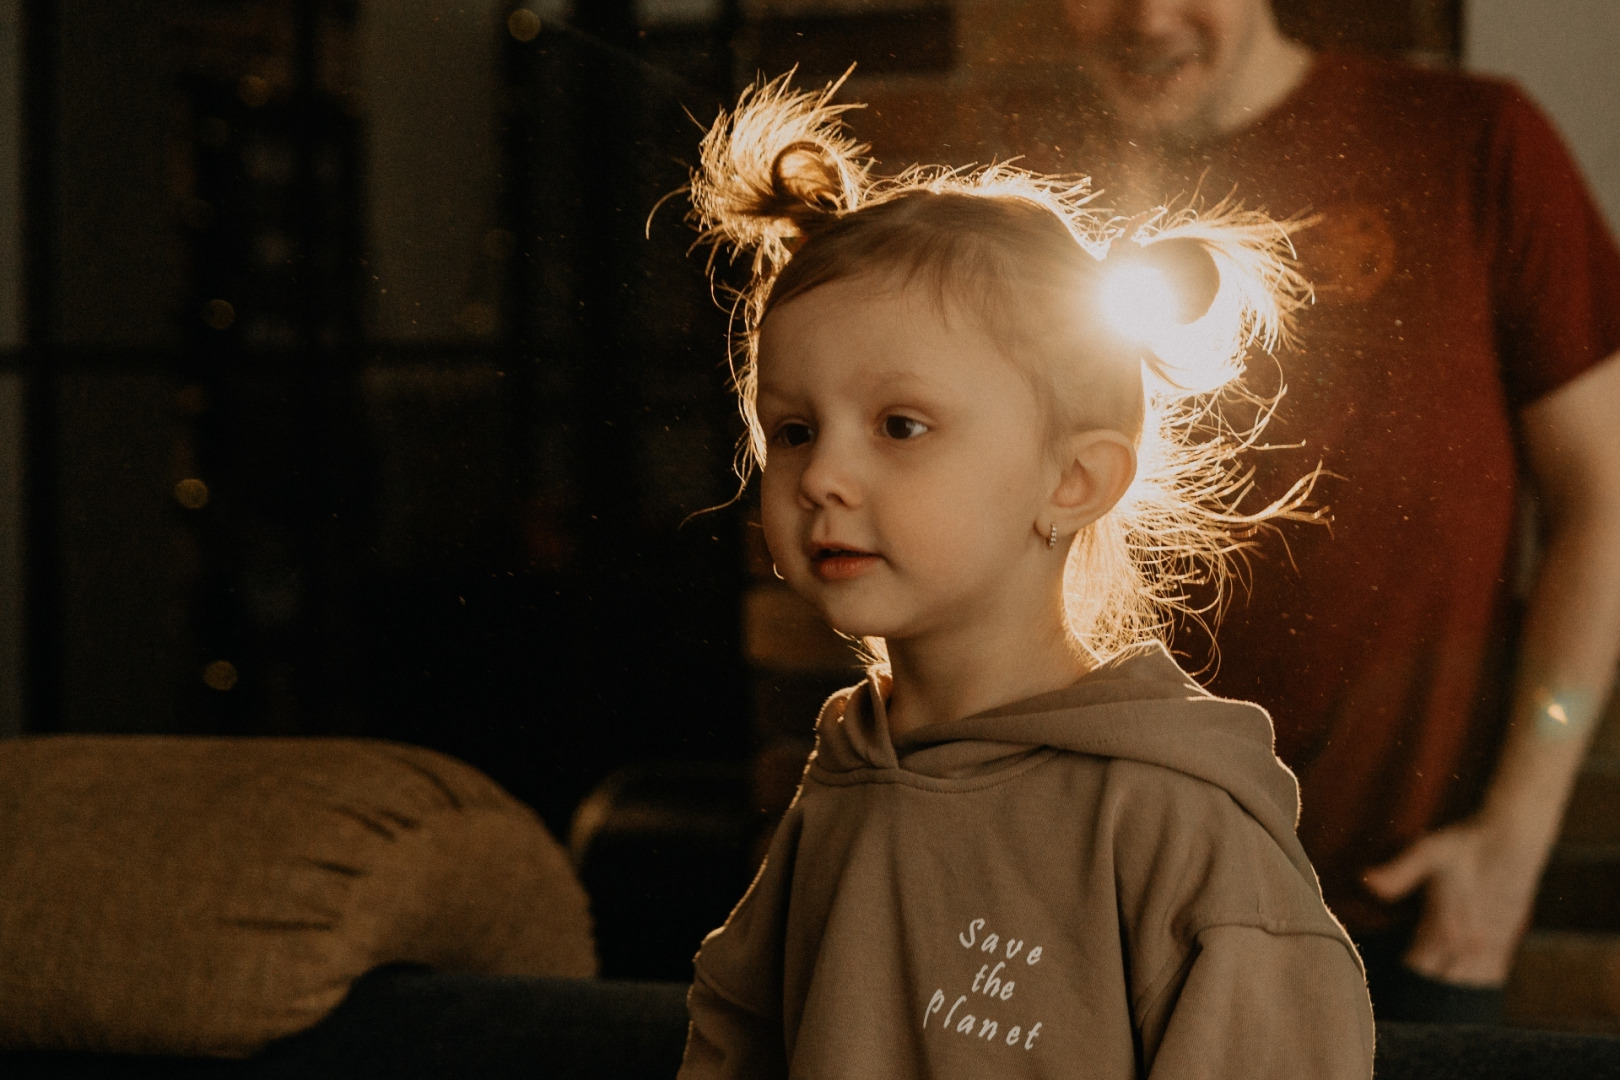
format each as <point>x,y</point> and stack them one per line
<point>1186,848</point>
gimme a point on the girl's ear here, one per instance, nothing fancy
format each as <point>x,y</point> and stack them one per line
<point>1097,468</point>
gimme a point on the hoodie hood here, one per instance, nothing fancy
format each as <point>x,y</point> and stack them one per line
<point>1139,706</point>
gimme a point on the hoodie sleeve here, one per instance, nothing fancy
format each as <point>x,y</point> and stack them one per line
<point>1237,969</point>
<point>729,1039</point>
<point>1248,1004</point>
<point>735,1002</point>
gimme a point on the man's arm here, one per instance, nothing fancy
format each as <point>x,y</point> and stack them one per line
<point>1479,876</point>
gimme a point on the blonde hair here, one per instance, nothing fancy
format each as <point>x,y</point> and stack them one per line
<point>781,181</point>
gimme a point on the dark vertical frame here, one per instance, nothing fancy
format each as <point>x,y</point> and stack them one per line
<point>593,361</point>
<point>41,497</point>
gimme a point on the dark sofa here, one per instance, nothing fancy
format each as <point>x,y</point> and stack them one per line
<point>405,1024</point>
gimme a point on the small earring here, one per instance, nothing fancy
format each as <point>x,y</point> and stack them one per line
<point>1051,537</point>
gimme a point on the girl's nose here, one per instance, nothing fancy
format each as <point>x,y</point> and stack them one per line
<point>829,477</point>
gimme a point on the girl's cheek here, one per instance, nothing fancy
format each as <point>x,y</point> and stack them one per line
<point>776,514</point>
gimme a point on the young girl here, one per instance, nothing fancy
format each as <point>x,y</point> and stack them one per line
<point>1028,845</point>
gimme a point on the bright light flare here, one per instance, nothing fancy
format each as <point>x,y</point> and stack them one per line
<point>1165,297</point>
<point>1139,302</point>
<point>1567,714</point>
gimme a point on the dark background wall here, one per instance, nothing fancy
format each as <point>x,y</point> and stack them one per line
<point>272,488</point>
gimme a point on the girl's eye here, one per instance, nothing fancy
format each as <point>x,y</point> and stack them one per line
<point>794,434</point>
<point>903,427</point>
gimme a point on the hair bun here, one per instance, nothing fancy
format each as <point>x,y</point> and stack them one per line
<point>774,169</point>
<point>803,173</point>
<point>1197,289</point>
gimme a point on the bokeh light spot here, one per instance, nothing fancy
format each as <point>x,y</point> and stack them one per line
<point>523,24</point>
<point>253,90</point>
<point>219,314</point>
<point>191,493</point>
<point>220,675</point>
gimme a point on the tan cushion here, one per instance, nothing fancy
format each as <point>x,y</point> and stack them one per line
<point>204,896</point>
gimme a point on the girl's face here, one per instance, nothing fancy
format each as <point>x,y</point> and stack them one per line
<point>906,468</point>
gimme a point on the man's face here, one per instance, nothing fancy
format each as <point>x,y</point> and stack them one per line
<point>1165,66</point>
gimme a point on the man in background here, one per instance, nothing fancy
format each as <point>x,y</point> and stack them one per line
<point>1435,699</point>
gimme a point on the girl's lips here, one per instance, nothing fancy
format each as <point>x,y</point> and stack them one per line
<point>838,564</point>
<point>1149,64</point>
<point>1151,73</point>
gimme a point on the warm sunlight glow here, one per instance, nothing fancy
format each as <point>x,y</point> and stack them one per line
<point>1556,711</point>
<point>1139,302</point>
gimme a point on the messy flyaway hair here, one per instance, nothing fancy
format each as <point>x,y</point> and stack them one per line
<point>1050,275</point>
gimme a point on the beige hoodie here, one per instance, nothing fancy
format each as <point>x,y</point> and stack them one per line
<point>1098,882</point>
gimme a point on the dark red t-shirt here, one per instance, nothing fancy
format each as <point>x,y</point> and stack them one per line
<point>1461,271</point>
